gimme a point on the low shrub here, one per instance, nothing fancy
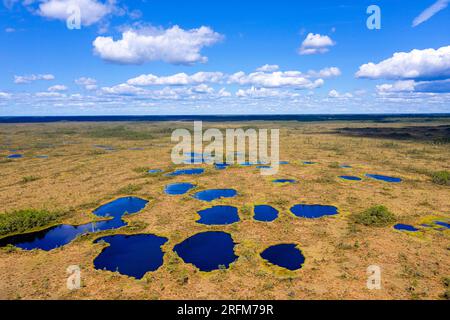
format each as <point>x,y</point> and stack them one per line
<point>377,216</point>
<point>26,219</point>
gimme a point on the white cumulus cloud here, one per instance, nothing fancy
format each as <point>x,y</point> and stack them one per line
<point>176,79</point>
<point>86,82</point>
<point>32,77</point>
<point>316,43</point>
<point>91,11</point>
<point>336,94</point>
<point>294,79</point>
<point>57,87</point>
<point>173,45</point>
<point>416,64</point>
<point>268,68</point>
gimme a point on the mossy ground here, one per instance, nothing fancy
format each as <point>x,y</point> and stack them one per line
<point>77,177</point>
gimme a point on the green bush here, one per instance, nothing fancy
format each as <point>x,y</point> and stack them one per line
<point>377,216</point>
<point>23,220</point>
<point>120,132</point>
<point>441,178</point>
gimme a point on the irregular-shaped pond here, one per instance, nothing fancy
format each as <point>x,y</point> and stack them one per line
<point>207,250</point>
<point>384,178</point>
<point>178,188</point>
<point>214,194</point>
<point>284,181</point>
<point>219,215</point>
<point>405,227</point>
<point>192,171</point>
<point>154,171</point>
<point>131,255</point>
<point>265,213</point>
<point>284,255</point>
<point>351,178</point>
<point>61,235</point>
<point>313,210</point>
<point>443,224</point>
<point>14,156</point>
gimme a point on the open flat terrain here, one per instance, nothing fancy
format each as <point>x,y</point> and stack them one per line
<point>77,177</point>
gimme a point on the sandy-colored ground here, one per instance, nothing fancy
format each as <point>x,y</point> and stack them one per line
<point>77,177</point>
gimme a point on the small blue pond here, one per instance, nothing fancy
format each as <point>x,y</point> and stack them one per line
<point>284,255</point>
<point>178,188</point>
<point>345,166</point>
<point>214,194</point>
<point>283,162</point>
<point>308,162</point>
<point>221,166</point>
<point>154,171</point>
<point>42,157</point>
<point>131,255</point>
<point>208,250</point>
<point>192,171</point>
<point>351,178</point>
<point>263,167</point>
<point>61,235</point>
<point>405,227</point>
<point>15,156</point>
<point>265,213</point>
<point>284,181</point>
<point>136,149</point>
<point>219,215</point>
<point>384,178</point>
<point>246,164</point>
<point>313,210</point>
<point>442,224</point>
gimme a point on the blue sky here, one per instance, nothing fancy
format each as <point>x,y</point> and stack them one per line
<point>223,57</point>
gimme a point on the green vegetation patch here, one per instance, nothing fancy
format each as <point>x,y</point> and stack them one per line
<point>441,178</point>
<point>26,219</point>
<point>120,132</point>
<point>376,216</point>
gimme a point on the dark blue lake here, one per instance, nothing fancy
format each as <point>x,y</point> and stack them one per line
<point>384,178</point>
<point>263,167</point>
<point>313,210</point>
<point>351,178</point>
<point>192,171</point>
<point>265,213</point>
<point>221,166</point>
<point>442,224</point>
<point>178,188</point>
<point>207,250</point>
<point>219,215</point>
<point>405,227</point>
<point>308,162</point>
<point>214,194</point>
<point>61,235</point>
<point>14,156</point>
<point>284,181</point>
<point>131,255</point>
<point>284,255</point>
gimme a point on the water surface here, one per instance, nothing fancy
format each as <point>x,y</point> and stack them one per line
<point>207,250</point>
<point>265,213</point>
<point>131,255</point>
<point>284,255</point>
<point>178,188</point>
<point>214,194</point>
<point>405,227</point>
<point>61,235</point>
<point>192,171</point>
<point>384,178</point>
<point>284,181</point>
<point>351,178</point>
<point>219,215</point>
<point>14,156</point>
<point>313,210</point>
